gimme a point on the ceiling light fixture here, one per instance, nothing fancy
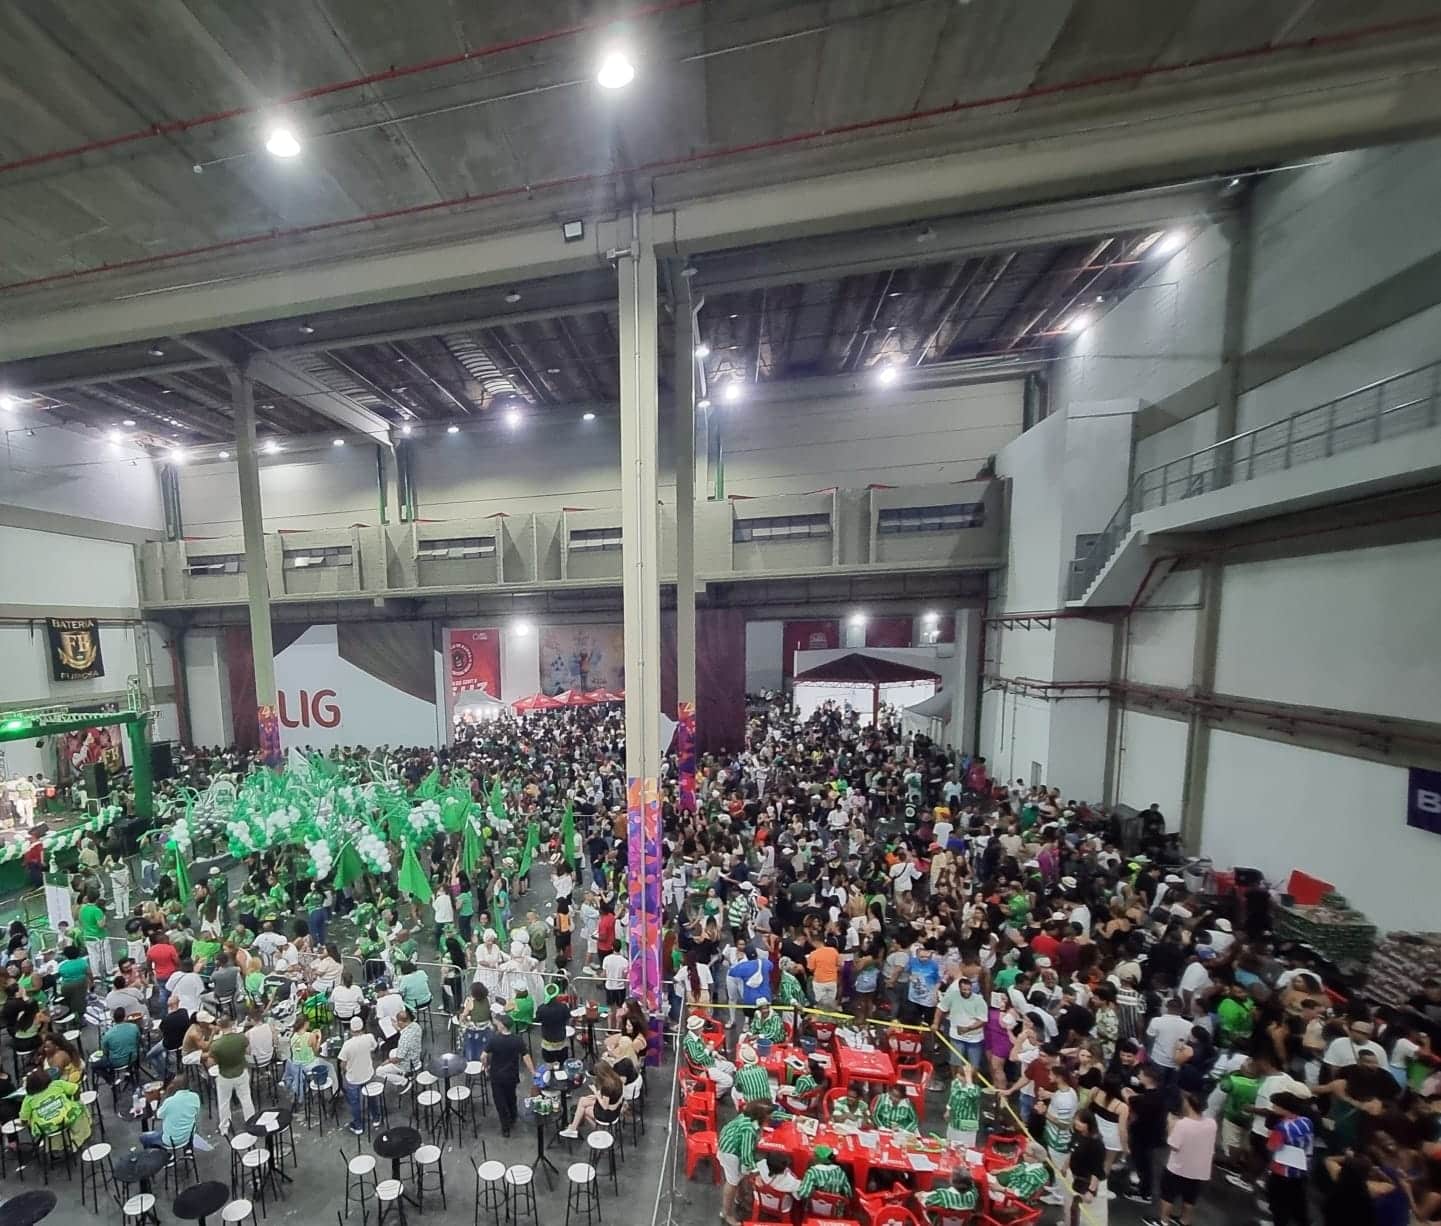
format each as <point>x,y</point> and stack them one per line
<point>9,403</point>
<point>405,429</point>
<point>337,442</point>
<point>521,627</point>
<point>587,417</point>
<point>616,71</point>
<point>702,403</point>
<point>513,297</point>
<point>127,422</point>
<point>155,351</point>
<point>512,418</point>
<point>933,617</point>
<point>1080,322</point>
<point>702,351</point>
<point>572,231</point>
<point>282,143</point>
<point>224,455</point>
<point>271,447</point>
<point>116,436</point>
<point>1171,242</point>
<point>887,374</point>
<point>858,619</point>
<point>177,456</point>
<point>452,429</point>
<point>306,330</point>
<point>734,391</point>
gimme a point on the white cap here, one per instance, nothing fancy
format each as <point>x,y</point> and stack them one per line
<point>1173,879</point>
<point>695,1023</point>
<point>1223,925</point>
<point>747,886</point>
<point>356,1024</point>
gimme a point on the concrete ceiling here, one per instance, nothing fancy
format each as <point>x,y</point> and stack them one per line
<point>135,129</point>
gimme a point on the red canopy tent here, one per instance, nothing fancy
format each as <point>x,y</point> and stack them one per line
<point>856,669</point>
<point>537,702</point>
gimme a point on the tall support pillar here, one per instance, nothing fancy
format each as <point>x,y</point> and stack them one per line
<point>257,576</point>
<point>684,381</point>
<point>640,564</point>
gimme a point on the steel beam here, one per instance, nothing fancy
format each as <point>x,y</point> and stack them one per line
<point>276,373</point>
<point>684,379</point>
<point>1068,148</point>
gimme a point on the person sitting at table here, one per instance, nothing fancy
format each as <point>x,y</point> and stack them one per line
<point>625,1050</point>
<point>346,1000</point>
<point>765,1023</point>
<point>413,986</point>
<point>63,1060</point>
<point>823,1175</point>
<point>1025,1182</point>
<point>963,1108</point>
<point>808,1089</point>
<point>704,1062</point>
<point>601,1108</point>
<point>304,1050</point>
<point>405,1061</point>
<point>522,1009</point>
<point>752,1082</point>
<point>51,1108</point>
<point>850,1108</point>
<point>178,1116</point>
<point>776,1176</point>
<point>736,1153</point>
<point>957,1196</point>
<point>120,1045</point>
<point>893,1109</point>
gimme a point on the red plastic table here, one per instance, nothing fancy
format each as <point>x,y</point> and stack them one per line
<point>873,1066</point>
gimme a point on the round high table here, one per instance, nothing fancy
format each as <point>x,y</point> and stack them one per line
<point>398,1144</point>
<point>199,1201</point>
<point>27,1208</point>
<point>446,1067</point>
<point>266,1135</point>
<point>140,1166</point>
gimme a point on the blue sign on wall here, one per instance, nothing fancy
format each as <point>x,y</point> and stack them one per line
<point>1423,800</point>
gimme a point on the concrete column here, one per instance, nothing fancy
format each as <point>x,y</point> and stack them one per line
<point>685,340</point>
<point>1239,232</point>
<point>640,565</point>
<point>257,575</point>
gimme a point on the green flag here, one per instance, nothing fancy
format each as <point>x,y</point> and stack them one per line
<point>348,867</point>
<point>532,841</point>
<point>182,879</point>
<point>567,835</point>
<point>412,880</point>
<point>497,800</point>
<point>472,847</point>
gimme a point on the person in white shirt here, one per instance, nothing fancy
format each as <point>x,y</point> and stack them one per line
<point>942,831</point>
<point>260,1044</point>
<point>357,1066</point>
<point>187,985</point>
<point>1221,937</point>
<point>616,968</point>
<point>1345,1051</point>
<point>1195,982</point>
<point>389,1005</point>
<point>442,908</point>
<point>346,998</point>
<point>1165,1033</point>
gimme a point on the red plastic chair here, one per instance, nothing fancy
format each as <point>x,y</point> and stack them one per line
<point>825,1032</point>
<point>827,1205</point>
<point>1011,1213</point>
<point>1003,1150</point>
<point>905,1045</point>
<point>874,1204</point>
<point>915,1076</point>
<point>831,1097</point>
<point>703,1107</point>
<point>798,1104</point>
<point>768,1205</point>
<point>895,1215</point>
<point>952,1217</point>
<point>700,1142</point>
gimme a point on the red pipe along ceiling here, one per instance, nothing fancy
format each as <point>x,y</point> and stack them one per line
<point>1128,76</point>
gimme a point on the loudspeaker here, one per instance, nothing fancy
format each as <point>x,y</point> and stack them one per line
<point>97,780</point>
<point>162,761</point>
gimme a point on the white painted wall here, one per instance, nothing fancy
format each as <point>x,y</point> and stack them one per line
<point>1278,807</point>
<point>207,688</point>
<point>1161,634</point>
<point>1351,631</point>
<point>46,468</point>
<point>48,568</point>
<point>519,664</point>
<point>899,438</point>
<point>765,663</point>
<point>1151,764</point>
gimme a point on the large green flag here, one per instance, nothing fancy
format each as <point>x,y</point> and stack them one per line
<point>182,879</point>
<point>348,867</point>
<point>497,800</point>
<point>567,835</point>
<point>412,879</point>
<point>532,841</point>
<point>472,847</point>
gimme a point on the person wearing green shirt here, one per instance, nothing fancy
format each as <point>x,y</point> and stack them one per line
<point>522,1009</point>
<point>413,986</point>
<point>1240,1088</point>
<point>1025,1180</point>
<point>120,1045</point>
<point>1005,978</point>
<point>73,979</point>
<point>178,1116</point>
<point>52,1107</point>
<point>823,1175</point>
<point>91,917</point>
<point>1235,1016</point>
<point>752,1082</point>
<point>765,1024</point>
<point>701,1060</point>
<point>790,992</point>
<point>228,1052</point>
<point>894,1110</point>
<point>957,1196</point>
<point>963,1108</point>
<point>406,947</point>
<point>736,1152</point>
<point>465,913</point>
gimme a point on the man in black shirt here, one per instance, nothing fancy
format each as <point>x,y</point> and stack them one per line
<point>554,1018</point>
<point>1148,1131</point>
<point>502,1060</point>
<point>172,1034</point>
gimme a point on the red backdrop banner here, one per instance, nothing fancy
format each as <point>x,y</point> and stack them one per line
<point>475,661</point>
<point>888,632</point>
<point>815,635</point>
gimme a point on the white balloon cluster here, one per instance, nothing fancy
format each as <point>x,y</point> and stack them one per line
<point>180,833</point>
<point>239,833</point>
<point>373,852</point>
<point>279,821</point>
<point>320,859</point>
<point>425,818</point>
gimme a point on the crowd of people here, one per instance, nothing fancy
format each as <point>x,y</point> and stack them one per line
<point>1144,1038</point>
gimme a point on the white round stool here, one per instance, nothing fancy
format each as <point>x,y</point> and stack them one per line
<point>520,1191</point>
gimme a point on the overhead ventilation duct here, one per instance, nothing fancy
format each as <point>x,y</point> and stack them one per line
<point>479,366</point>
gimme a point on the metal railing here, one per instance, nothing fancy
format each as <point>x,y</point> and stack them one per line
<point>1389,408</point>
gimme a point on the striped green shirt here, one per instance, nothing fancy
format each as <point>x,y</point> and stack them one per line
<point>738,911</point>
<point>752,1082</point>
<point>697,1052</point>
<point>950,1198</point>
<point>739,1138</point>
<point>1025,1179</point>
<point>790,992</point>
<point>887,1113</point>
<point>770,1027</point>
<point>825,1176</point>
<point>963,1108</point>
<point>805,1083</point>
